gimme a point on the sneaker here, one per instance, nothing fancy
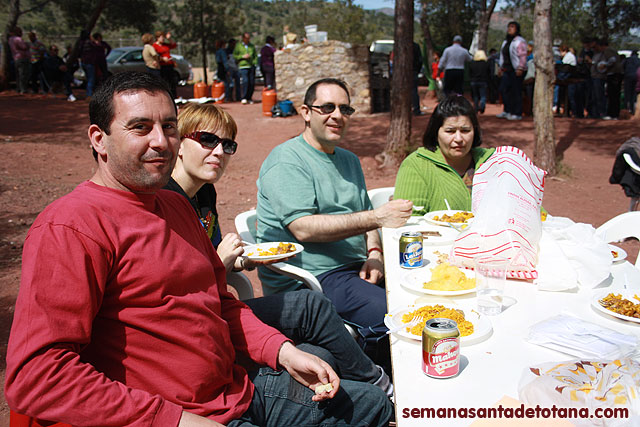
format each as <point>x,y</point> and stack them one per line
<point>71,98</point>
<point>503,115</point>
<point>554,109</point>
<point>251,101</point>
<point>514,117</point>
<point>244,101</point>
<point>609,118</point>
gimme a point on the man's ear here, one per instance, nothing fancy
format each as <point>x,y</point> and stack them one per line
<point>96,136</point>
<point>305,112</point>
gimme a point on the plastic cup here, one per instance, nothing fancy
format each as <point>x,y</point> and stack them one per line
<point>491,276</point>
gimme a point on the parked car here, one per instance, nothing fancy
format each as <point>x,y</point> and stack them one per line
<point>129,58</point>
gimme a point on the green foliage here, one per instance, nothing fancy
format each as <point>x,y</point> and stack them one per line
<point>341,19</point>
<point>448,18</point>
<point>573,20</point>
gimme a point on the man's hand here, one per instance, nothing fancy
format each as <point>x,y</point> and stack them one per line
<point>308,370</point>
<point>246,56</point>
<point>192,420</point>
<point>394,213</point>
<point>519,73</point>
<point>373,268</point>
<point>229,249</point>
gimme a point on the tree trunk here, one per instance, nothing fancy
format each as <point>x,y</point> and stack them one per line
<point>545,147</point>
<point>483,24</point>
<point>399,133</point>
<point>75,53</point>
<point>12,21</point>
<point>203,43</point>
<point>604,17</point>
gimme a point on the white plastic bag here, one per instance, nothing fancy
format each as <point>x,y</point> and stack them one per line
<point>586,385</point>
<point>506,200</point>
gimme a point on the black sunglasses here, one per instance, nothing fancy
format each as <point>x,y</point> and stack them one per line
<point>211,140</point>
<point>328,108</point>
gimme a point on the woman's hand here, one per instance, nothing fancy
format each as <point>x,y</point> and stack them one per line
<point>229,249</point>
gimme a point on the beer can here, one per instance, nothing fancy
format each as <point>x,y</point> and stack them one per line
<point>441,348</point>
<point>411,249</point>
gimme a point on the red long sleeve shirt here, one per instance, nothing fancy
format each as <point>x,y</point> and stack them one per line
<point>123,316</point>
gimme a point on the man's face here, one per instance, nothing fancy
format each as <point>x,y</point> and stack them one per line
<point>327,129</point>
<point>141,149</point>
<point>246,38</point>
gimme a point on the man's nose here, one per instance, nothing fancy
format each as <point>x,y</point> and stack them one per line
<point>158,138</point>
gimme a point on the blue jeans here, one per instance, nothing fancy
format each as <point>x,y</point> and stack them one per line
<point>233,81</point>
<point>479,94</point>
<point>363,305</point>
<point>90,73</point>
<point>309,319</point>
<point>247,81</point>
<point>279,400</point>
<point>630,93</point>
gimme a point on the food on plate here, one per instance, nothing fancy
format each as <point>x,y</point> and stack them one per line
<point>543,216</point>
<point>432,311</point>
<point>282,248</point>
<point>441,257</point>
<point>617,304</point>
<point>321,388</point>
<point>458,217</point>
<point>447,277</point>
<point>615,254</point>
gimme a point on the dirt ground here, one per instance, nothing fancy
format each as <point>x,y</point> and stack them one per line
<point>46,154</point>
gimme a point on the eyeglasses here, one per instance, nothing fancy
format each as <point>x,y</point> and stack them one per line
<point>211,140</point>
<point>328,108</point>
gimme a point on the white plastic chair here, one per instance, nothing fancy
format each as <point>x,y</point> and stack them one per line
<point>380,196</point>
<point>246,227</point>
<point>241,284</point>
<point>633,205</point>
<point>620,227</point>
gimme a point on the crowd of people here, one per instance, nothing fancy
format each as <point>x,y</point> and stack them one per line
<point>123,291</point>
<point>592,81</point>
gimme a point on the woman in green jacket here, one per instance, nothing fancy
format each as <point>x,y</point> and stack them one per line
<point>444,167</point>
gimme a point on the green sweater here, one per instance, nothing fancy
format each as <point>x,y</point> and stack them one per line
<point>240,50</point>
<point>426,179</point>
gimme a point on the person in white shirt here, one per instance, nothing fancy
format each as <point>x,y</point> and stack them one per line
<point>569,61</point>
<point>452,63</point>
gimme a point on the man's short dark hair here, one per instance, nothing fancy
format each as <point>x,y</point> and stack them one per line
<point>101,106</point>
<point>310,96</point>
<point>452,106</point>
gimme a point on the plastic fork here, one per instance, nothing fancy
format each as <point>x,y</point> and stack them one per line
<point>410,324</point>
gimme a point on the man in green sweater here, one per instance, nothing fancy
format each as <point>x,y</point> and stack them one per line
<point>246,57</point>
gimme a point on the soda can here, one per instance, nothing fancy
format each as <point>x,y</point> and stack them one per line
<point>441,348</point>
<point>411,249</point>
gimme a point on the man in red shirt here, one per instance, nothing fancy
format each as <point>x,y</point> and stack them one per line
<point>123,316</point>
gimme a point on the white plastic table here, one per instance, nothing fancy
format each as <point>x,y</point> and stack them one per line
<point>490,369</point>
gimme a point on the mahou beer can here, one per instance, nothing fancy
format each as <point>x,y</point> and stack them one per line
<point>441,348</point>
<point>411,249</point>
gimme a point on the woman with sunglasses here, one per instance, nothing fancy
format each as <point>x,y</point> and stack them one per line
<point>444,167</point>
<point>207,143</point>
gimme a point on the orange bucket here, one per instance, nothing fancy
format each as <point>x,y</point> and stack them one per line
<point>200,90</point>
<point>217,92</point>
<point>269,99</point>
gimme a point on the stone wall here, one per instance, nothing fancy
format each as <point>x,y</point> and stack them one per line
<point>298,67</point>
